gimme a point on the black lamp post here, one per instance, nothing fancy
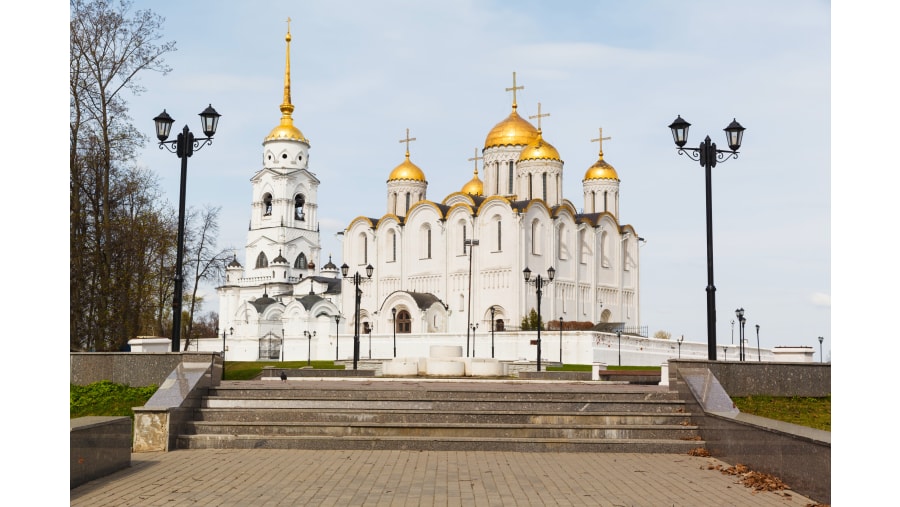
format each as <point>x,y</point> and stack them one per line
<point>281,350</point>
<point>679,346</point>
<point>619,335</point>
<point>739,313</point>
<point>184,146</point>
<point>539,284</point>
<point>337,337</point>
<point>469,243</point>
<point>758,352</point>
<point>708,155</point>
<point>492,331</point>
<point>560,339</point>
<point>732,331</point>
<point>821,356</point>
<point>473,327</point>
<point>394,313</point>
<point>309,337</point>
<point>725,350</point>
<point>231,331</point>
<point>356,279</point>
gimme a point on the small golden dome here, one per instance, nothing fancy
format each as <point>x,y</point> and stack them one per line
<point>539,150</point>
<point>511,131</point>
<point>474,186</point>
<point>407,171</point>
<point>286,131</point>
<point>601,171</point>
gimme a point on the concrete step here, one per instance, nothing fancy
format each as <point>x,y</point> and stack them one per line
<point>333,416</point>
<point>526,416</point>
<point>667,446</point>
<point>453,430</point>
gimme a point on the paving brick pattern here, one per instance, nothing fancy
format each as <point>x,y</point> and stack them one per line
<point>271,477</point>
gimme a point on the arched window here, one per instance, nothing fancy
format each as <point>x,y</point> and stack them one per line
<point>464,239</point>
<point>530,196</point>
<point>499,235</point>
<point>544,186</point>
<point>299,201</point>
<point>604,249</point>
<point>404,322</point>
<point>364,246</point>
<point>499,326</point>
<point>300,262</point>
<point>407,204</point>
<point>560,243</point>
<point>536,237</point>
<point>267,204</point>
<point>393,246</point>
<point>605,204</point>
<point>262,261</point>
<point>510,177</point>
<point>428,241</point>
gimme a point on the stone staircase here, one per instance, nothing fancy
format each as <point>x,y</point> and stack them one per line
<point>416,414</point>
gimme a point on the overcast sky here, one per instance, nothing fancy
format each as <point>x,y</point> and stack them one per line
<point>364,72</point>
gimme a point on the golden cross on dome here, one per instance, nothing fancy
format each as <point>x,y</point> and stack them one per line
<point>407,140</point>
<point>600,140</point>
<point>513,89</point>
<point>476,158</point>
<point>539,116</point>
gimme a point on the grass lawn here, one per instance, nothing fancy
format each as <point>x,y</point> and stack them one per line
<point>810,412</point>
<point>246,370</point>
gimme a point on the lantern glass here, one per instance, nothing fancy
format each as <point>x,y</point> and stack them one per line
<point>527,273</point>
<point>163,125</point>
<point>680,131</point>
<point>209,118</point>
<point>551,273</point>
<point>735,134</point>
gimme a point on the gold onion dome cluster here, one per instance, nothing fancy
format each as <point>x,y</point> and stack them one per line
<point>601,170</point>
<point>407,171</point>
<point>539,150</point>
<point>511,131</point>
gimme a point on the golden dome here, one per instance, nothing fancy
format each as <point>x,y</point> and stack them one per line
<point>286,131</point>
<point>513,130</point>
<point>474,186</point>
<point>539,150</point>
<point>407,171</point>
<point>601,171</point>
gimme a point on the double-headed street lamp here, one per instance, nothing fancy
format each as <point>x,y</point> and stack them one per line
<point>309,337</point>
<point>337,337</point>
<point>708,155</point>
<point>469,243</point>
<point>345,269</point>
<point>821,357</point>
<point>473,327</point>
<point>184,146</point>
<point>539,283</point>
<point>560,339</point>
<point>493,310</point>
<point>739,313</point>
<point>394,314</point>
<point>230,331</point>
<point>758,351</point>
<point>680,340</point>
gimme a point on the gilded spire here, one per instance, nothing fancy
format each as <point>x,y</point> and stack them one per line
<point>286,129</point>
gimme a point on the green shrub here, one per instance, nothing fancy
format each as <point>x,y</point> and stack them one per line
<point>106,398</point>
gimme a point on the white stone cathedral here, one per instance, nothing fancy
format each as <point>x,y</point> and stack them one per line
<point>440,270</point>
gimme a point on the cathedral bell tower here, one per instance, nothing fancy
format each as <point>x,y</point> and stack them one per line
<point>283,218</point>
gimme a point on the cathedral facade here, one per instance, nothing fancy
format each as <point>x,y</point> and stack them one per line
<point>440,270</point>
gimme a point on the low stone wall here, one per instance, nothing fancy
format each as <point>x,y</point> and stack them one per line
<point>98,446</point>
<point>750,378</point>
<point>799,456</point>
<point>135,369</point>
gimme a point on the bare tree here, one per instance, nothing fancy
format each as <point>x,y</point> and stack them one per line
<point>204,263</point>
<point>113,214</point>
